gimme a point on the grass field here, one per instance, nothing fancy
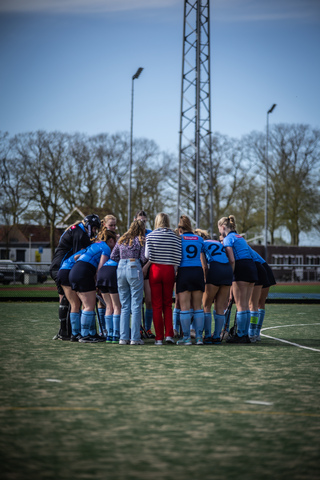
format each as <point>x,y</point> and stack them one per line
<point>81,411</point>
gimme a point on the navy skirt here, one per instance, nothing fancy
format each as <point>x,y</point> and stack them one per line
<point>190,279</point>
<point>219,274</point>
<point>81,277</point>
<point>245,271</point>
<point>107,279</point>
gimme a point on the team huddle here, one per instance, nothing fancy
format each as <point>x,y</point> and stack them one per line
<point>102,277</point>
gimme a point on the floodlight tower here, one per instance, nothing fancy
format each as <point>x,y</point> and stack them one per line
<point>195,142</point>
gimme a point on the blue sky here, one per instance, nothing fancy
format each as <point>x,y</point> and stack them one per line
<point>67,65</point>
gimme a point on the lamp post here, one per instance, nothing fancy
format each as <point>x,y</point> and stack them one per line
<point>136,75</point>
<point>30,235</point>
<point>266,187</point>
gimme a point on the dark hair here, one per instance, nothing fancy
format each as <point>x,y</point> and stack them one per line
<point>141,213</point>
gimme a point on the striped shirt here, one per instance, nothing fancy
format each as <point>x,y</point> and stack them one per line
<point>163,246</point>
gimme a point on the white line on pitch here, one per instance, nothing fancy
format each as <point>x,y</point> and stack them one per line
<point>286,341</point>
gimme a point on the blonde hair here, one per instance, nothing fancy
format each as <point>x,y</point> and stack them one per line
<point>107,218</point>
<point>185,223</point>
<point>104,235</point>
<point>162,220</point>
<point>229,222</point>
<point>202,233</point>
<point>136,229</point>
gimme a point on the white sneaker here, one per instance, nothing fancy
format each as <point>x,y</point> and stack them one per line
<point>199,341</point>
<point>124,342</point>
<point>137,342</point>
<point>158,342</point>
<point>169,340</point>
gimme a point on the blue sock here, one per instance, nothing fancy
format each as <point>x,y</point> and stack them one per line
<point>92,329</point>
<point>242,323</point>
<point>207,324</point>
<point>101,312</point>
<point>148,319</point>
<point>248,322</point>
<point>116,325</point>
<point>253,323</point>
<point>198,322</point>
<point>86,321</point>
<point>109,325</point>
<point>75,323</point>
<point>176,319</point>
<point>185,320</point>
<point>218,324</point>
<point>262,313</point>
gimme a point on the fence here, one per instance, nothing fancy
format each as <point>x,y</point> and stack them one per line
<point>32,282</point>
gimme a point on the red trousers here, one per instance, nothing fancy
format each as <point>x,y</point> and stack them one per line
<point>161,279</point>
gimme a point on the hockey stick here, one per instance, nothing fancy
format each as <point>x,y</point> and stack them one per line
<point>227,321</point>
<point>99,320</point>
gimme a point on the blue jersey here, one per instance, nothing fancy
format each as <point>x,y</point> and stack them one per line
<point>148,231</point>
<point>215,252</point>
<point>93,253</point>
<point>68,264</point>
<point>110,263</point>
<point>241,249</point>
<point>192,246</point>
<point>256,257</point>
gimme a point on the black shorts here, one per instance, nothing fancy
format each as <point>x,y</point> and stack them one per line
<point>245,271</point>
<point>271,280</point>
<point>63,278</point>
<point>54,275</point>
<point>262,274</point>
<point>107,279</point>
<point>81,277</point>
<point>219,274</point>
<point>190,279</point>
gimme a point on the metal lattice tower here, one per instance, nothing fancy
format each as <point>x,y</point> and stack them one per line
<point>195,118</point>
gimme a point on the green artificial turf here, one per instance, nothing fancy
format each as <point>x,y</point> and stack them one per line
<point>146,412</point>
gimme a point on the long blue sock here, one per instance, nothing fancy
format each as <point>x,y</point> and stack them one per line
<point>242,323</point>
<point>262,313</point>
<point>253,323</point>
<point>101,312</point>
<point>207,324</point>
<point>92,329</point>
<point>198,322</point>
<point>218,324</point>
<point>75,323</point>
<point>116,326</point>
<point>86,321</point>
<point>176,319</point>
<point>185,320</point>
<point>109,325</point>
<point>148,318</point>
<point>247,322</point>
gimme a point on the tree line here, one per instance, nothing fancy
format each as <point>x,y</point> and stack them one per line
<point>44,175</point>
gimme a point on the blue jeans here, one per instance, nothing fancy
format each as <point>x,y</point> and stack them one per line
<point>130,288</point>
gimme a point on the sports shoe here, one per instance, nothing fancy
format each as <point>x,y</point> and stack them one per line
<point>115,339</point>
<point>184,341</point>
<point>170,340</point>
<point>137,342</point>
<point>124,342</point>
<point>253,338</point>
<point>150,334</point>
<point>192,333</point>
<point>207,341</point>
<point>176,334</point>
<point>158,342</point>
<point>88,339</point>
<point>237,339</point>
<point>199,341</point>
<point>258,338</point>
<point>216,341</point>
<point>109,339</point>
<point>99,338</point>
<point>75,338</point>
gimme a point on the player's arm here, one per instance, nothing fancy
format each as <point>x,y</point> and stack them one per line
<point>230,255</point>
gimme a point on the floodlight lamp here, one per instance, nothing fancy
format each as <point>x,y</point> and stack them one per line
<point>272,108</point>
<point>137,74</point>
